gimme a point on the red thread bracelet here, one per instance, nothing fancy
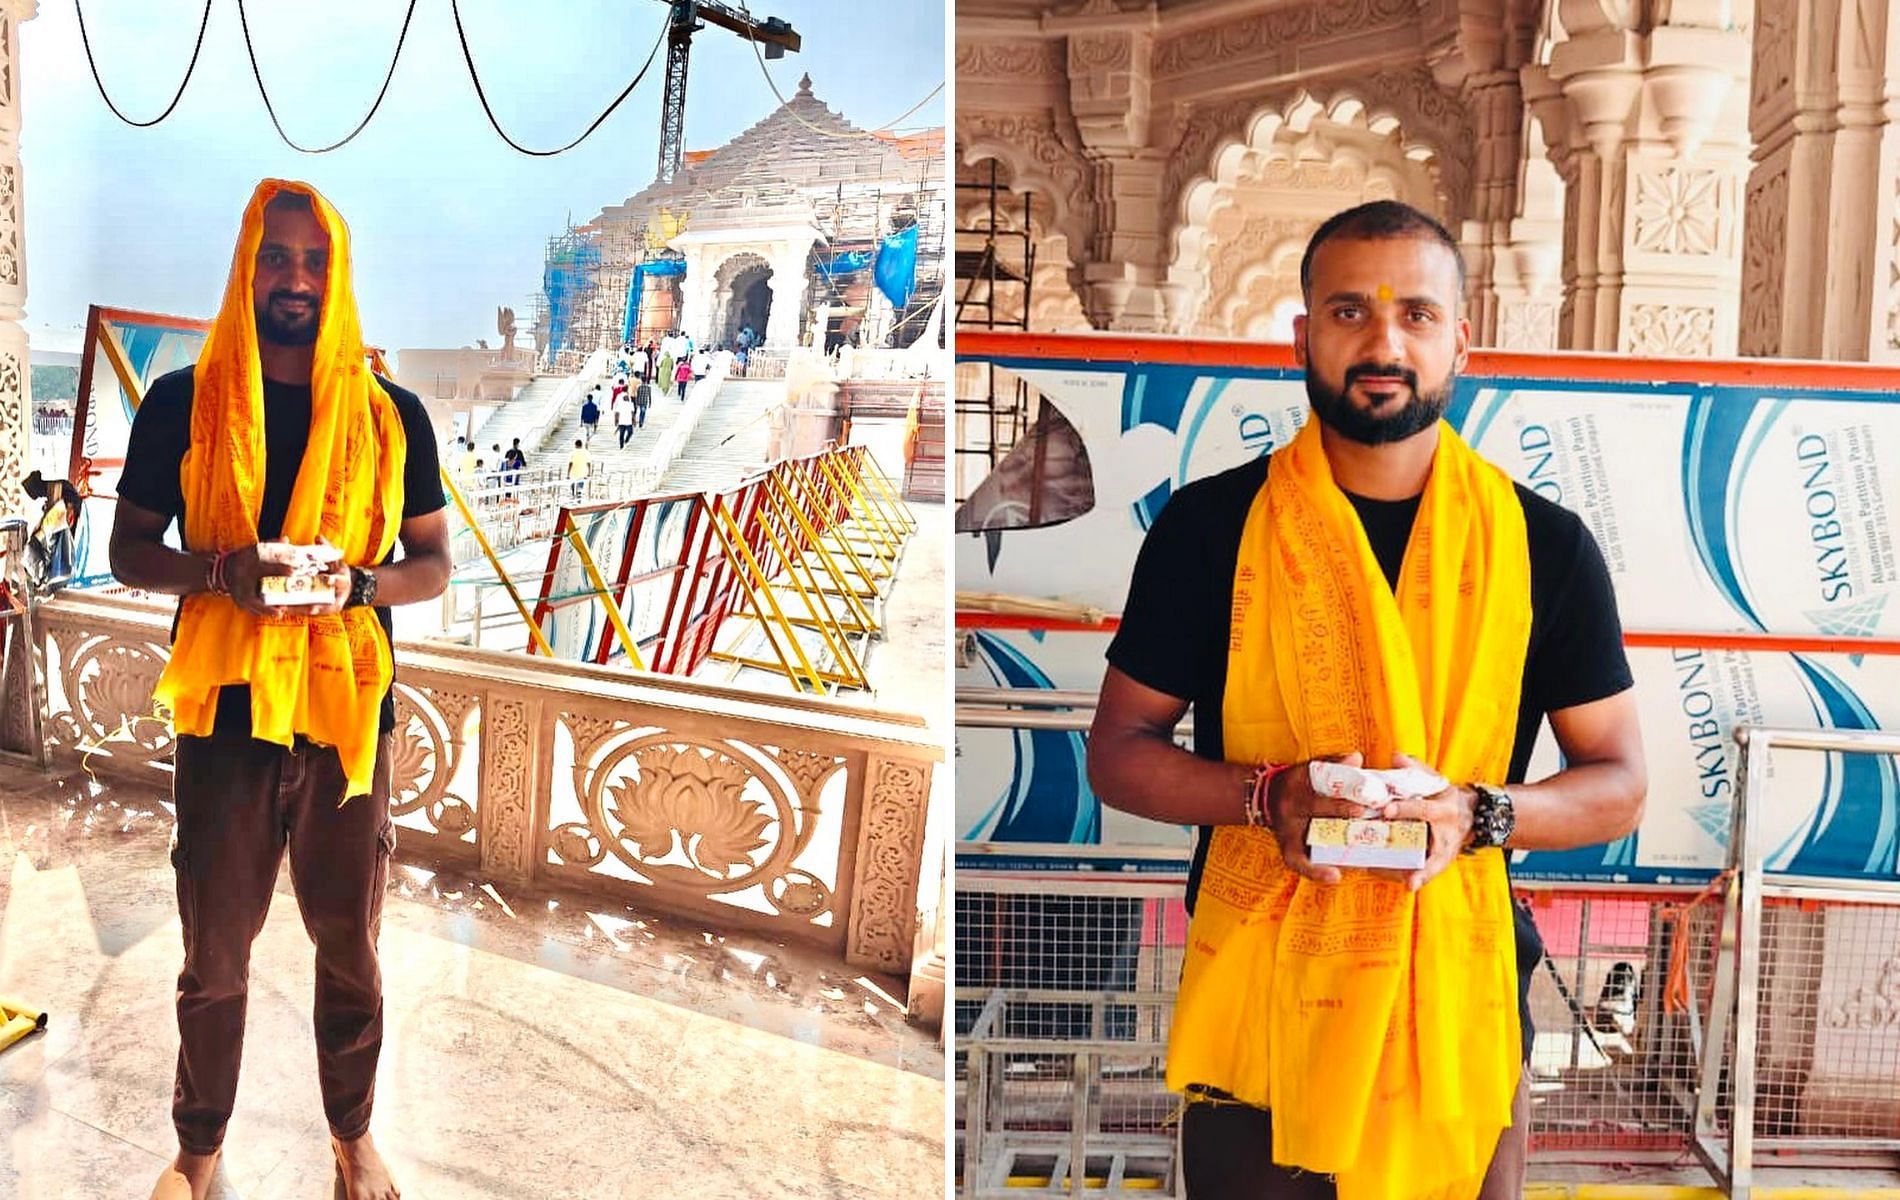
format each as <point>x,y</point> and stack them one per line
<point>1257,788</point>
<point>219,586</point>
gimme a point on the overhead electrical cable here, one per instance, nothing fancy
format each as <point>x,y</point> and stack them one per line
<point>258,74</point>
<point>389,76</point>
<point>99,83</point>
<point>475,77</point>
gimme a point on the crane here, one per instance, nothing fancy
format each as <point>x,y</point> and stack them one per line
<point>775,35</point>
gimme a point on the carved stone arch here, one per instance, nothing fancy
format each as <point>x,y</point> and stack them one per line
<point>1341,149</point>
<point>1037,158</point>
<point>1261,288</point>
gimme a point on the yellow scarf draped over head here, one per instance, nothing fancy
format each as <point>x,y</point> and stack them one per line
<point>1379,1025</point>
<point>324,676</point>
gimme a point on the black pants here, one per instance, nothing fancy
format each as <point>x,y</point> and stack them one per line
<point>626,435</point>
<point>1227,1154</point>
<point>241,804</point>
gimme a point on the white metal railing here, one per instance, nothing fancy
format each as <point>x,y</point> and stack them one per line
<point>1737,1004</point>
<point>524,510</point>
<point>763,364</point>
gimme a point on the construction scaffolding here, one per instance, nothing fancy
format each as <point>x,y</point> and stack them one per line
<point>996,267</point>
<point>840,278</point>
<point>586,277</point>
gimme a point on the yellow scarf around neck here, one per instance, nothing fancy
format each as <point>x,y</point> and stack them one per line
<point>1379,1025</point>
<point>322,677</point>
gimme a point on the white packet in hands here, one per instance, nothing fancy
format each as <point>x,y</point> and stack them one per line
<point>1369,841</point>
<point>305,584</point>
<point>1374,789</point>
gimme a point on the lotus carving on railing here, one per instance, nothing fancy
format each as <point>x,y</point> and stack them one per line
<point>694,799</point>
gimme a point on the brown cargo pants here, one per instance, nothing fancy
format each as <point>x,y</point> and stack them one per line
<point>240,803</point>
<point>1227,1154</point>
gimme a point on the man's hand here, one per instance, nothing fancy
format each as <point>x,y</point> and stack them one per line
<point>1292,804</point>
<point>338,577</point>
<point>1447,816</point>
<point>244,570</point>
<point>339,581</point>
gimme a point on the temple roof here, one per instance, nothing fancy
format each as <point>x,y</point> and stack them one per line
<point>801,144</point>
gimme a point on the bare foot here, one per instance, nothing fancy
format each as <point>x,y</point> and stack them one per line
<point>188,1177</point>
<point>365,1175</point>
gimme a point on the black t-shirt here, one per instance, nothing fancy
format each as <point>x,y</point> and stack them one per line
<point>161,433</point>
<point>1174,627</point>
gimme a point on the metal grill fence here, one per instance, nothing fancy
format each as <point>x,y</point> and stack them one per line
<point>1057,978</point>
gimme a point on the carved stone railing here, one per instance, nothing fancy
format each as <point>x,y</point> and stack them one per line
<point>796,815</point>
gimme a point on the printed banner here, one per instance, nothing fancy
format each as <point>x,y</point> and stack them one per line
<point>125,352</point>
<point>1732,503</point>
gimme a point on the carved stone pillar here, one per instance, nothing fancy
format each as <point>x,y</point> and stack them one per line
<point>882,927</point>
<point>696,291</point>
<point>1654,167</point>
<point>1826,79</point>
<point>788,293</point>
<point>1109,63</point>
<point>513,789</point>
<point>1496,103</point>
<point>16,393</point>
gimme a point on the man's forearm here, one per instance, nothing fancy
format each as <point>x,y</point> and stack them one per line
<point>1154,778</point>
<point>156,567</point>
<point>1584,805</point>
<point>410,580</point>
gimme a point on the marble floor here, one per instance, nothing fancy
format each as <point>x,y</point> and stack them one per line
<point>537,1046</point>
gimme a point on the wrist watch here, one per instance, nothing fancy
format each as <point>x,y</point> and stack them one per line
<point>362,588</point>
<point>1493,818</point>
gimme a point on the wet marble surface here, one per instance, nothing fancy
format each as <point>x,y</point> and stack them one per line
<point>537,1045</point>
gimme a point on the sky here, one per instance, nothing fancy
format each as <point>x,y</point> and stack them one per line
<point>447,223</point>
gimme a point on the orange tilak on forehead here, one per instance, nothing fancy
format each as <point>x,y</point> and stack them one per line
<point>1384,293</point>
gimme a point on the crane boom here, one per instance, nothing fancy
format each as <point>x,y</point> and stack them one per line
<point>775,35</point>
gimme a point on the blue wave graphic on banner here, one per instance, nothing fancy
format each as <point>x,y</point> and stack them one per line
<point>1712,443</point>
<point>1866,796</point>
<point>1048,798</point>
<point>1156,395</point>
<point>1464,394</point>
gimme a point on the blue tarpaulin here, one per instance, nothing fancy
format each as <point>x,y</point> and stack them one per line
<point>571,265</point>
<point>653,266</point>
<point>896,271</point>
<point>844,263</point>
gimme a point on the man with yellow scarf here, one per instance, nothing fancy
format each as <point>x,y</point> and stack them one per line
<point>1372,593</point>
<point>281,434</point>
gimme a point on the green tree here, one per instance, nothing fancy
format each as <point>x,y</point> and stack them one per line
<point>55,383</point>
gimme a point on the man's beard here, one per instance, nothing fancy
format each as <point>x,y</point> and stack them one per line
<point>1338,413</point>
<point>288,331</point>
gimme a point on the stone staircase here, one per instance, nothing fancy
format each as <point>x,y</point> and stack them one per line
<point>517,418</point>
<point>731,439</point>
<point>605,450</point>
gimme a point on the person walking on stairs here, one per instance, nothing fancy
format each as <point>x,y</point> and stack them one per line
<point>642,400</point>
<point>682,375</point>
<point>590,413</point>
<point>623,418</point>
